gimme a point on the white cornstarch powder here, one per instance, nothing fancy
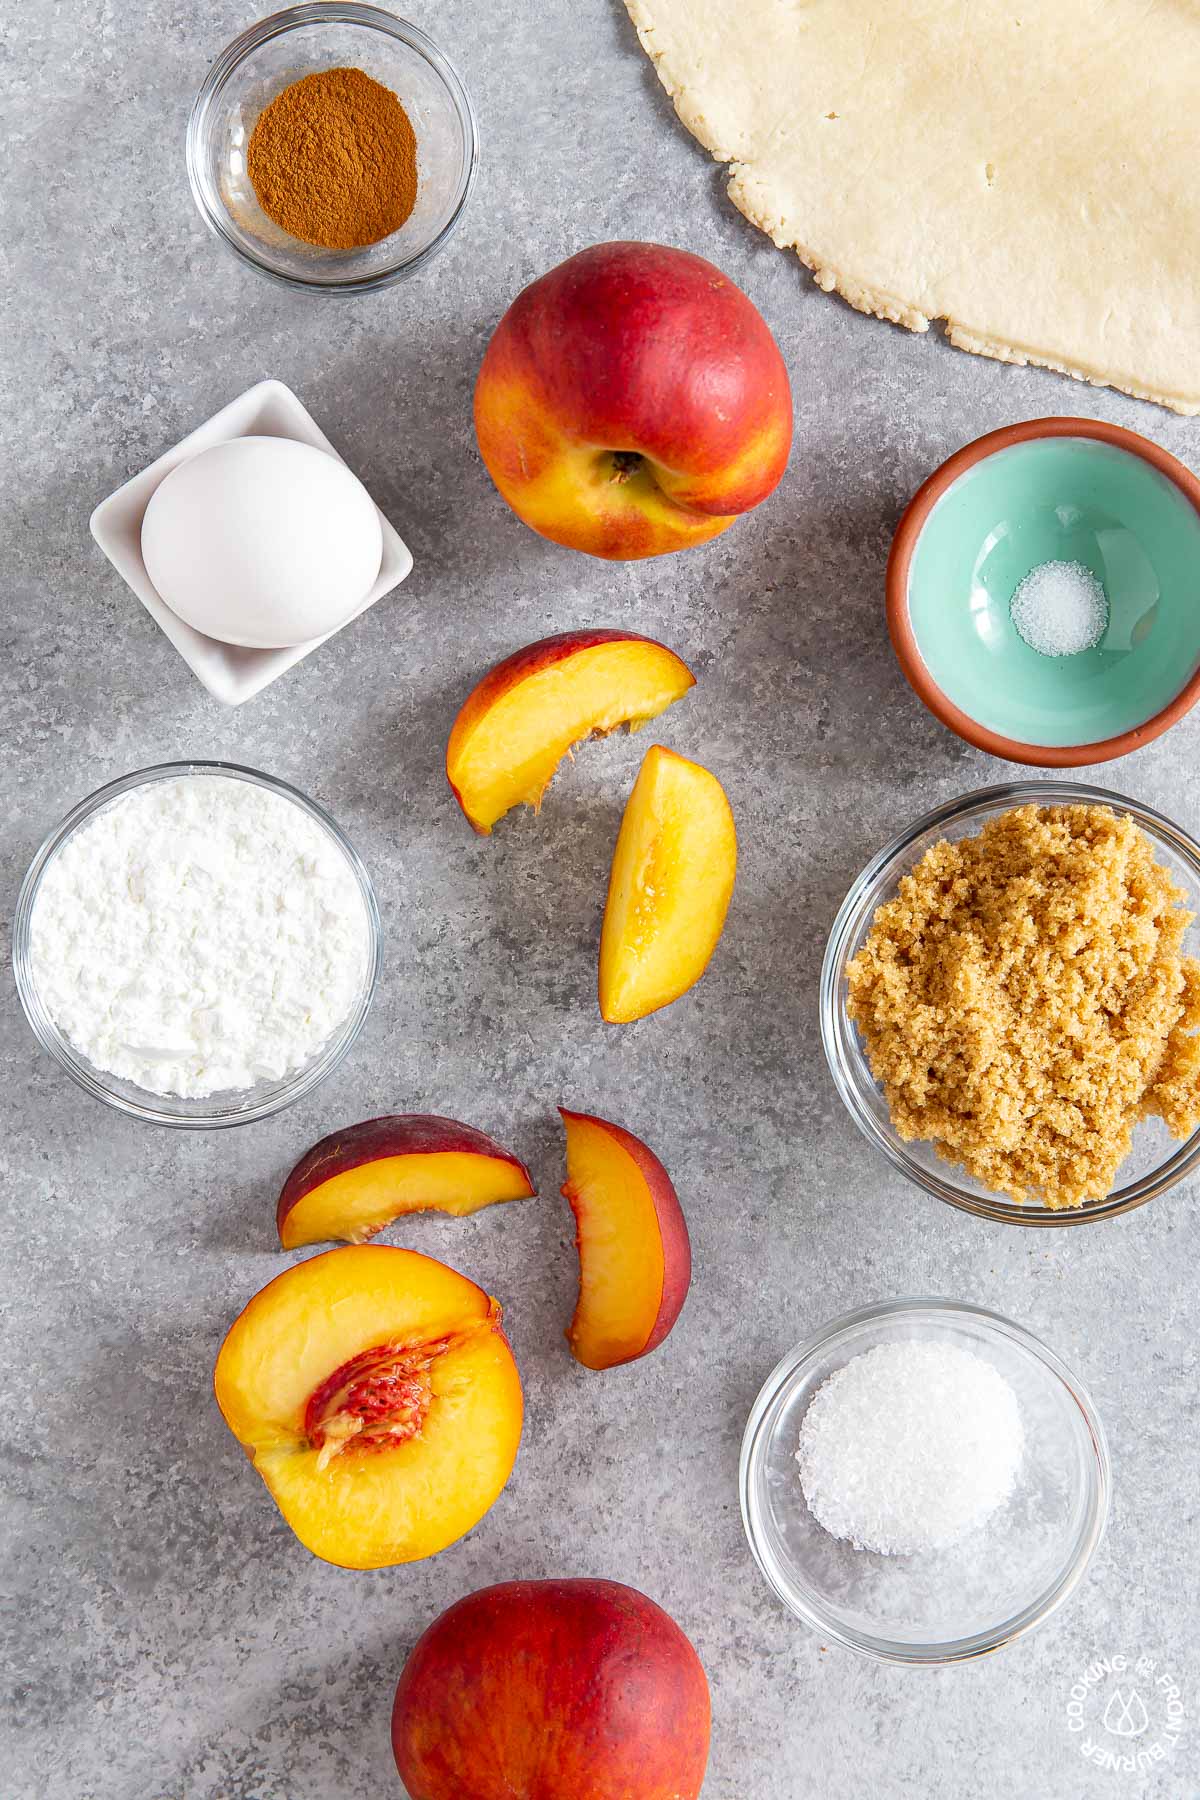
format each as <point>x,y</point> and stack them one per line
<point>199,934</point>
<point>909,1446</point>
<point>1060,609</point>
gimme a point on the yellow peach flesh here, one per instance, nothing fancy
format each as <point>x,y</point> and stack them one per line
<point>621,1260</point>
<point>372,1509</point>
<point>361,1201</point>
<point>506,744</point>
<point>672,880</point>
<point>368,1507</point>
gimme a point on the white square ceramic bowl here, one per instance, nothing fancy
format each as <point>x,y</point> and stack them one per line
<point>229,672</point>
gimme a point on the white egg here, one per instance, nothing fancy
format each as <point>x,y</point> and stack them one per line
<point>262,541</point>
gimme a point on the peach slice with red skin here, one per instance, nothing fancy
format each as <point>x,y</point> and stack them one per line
<point>376,1394</point>
<point>552,1690</point>
<point>356,1181</point>
<point>671,883</point>
<point>635,1256</point>
<point>528,712</point>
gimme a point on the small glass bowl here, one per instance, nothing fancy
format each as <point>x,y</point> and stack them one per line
<point>233,1107</point>
<point>270,56</point>
<point>1157,1160</point>
<point>999,1582</point>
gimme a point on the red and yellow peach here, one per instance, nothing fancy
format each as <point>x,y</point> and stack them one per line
<point>633,401</point>
<point>552,1690</point>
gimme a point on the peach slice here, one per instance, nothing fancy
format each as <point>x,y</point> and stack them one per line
<point>516,726</point>
<point>671,883</point>
<point>375,1393</point>
<point>356,1181</point>
<point>635,1257</point>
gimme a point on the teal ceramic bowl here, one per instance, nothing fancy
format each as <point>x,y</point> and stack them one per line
<point>1073,491</point>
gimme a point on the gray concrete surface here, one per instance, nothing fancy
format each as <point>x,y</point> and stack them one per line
<point>168,1639</point>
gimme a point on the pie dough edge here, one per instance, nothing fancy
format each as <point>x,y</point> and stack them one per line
<point>858,294</point>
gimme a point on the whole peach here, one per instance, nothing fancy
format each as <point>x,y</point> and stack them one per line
<point>550,1690</point>
<point>633,401</point>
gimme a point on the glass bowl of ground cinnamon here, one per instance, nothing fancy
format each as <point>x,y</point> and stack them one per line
<point>332,147</point>
<point>1010,1003</point>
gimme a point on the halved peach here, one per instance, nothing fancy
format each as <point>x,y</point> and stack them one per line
<point>516,726</point>
<point>670,887</point>
<point>377,1396</point>
<point>635,1257</point>
<point>356,1181</point>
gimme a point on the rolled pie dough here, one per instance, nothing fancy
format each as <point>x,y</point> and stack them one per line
<point>1028,172</point>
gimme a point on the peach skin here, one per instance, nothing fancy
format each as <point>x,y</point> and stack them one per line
<point>375,1393</point>
<point>635,1257</point>
<point>518,723</point>
<point>632,401</point>
<point>357,1180</point>
<point>552,1690</point>
<point>669,891</point>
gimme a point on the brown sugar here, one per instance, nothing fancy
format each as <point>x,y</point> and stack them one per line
<point>333,160</point>
<point>1024,1002</point>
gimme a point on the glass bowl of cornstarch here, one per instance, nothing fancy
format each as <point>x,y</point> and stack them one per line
<point>197,944</point>
<point>923,1481</point>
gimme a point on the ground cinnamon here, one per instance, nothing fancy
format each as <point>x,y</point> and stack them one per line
<point>333,160</point>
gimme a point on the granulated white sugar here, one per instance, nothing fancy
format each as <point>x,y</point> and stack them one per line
<point>201,933</point>
<point>1060,609</point>
<point>909,1447</point>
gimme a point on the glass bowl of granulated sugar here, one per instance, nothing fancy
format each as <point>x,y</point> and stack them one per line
<point>197,944</point>
<point>923,1481</point>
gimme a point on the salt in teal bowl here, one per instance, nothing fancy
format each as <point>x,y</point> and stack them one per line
<point>1053,490</point>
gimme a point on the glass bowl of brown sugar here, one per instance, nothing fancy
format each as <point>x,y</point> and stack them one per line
<point>316,73</point>
<point>1156,1160</point>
